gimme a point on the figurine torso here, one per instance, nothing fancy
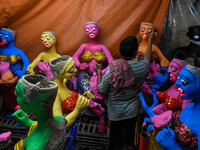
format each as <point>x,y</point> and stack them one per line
<point>11,51</point>
<point>93,49</point>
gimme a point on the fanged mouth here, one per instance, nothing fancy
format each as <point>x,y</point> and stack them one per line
<point>182,93</point>
<point>172,78</point>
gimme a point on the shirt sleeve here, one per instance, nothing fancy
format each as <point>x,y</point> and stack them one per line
<point>140,68</point>
<point>103,86</point>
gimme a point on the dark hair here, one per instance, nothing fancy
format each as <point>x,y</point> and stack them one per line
<point>129,47</point>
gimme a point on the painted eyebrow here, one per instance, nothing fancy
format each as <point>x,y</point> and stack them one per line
<point>172,66</point>
<point>71,67</point>
<point>186,77</point>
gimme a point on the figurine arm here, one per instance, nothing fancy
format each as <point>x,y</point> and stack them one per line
<point>81,103</point>
<point>57,110</point>
<point>22,118</point>
<point>78,54</point>
<point>26,62</point>
<point>108,56</point>
<point>31,67</point>
<point>148,109</point>
<point>163,60</point>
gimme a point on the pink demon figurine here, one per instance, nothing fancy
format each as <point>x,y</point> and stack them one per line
<point>85,59</point>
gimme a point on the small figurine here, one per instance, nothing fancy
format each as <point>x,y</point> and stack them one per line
<point>18,65</point>
<point>161,114</point>
<point>145,32</point>
<point>87,56</point>
<point>63,69</point>
<point>36,94</point>
<point>8,52</point>
<point>191,52</point>
<point>49,40</point>
<point>186,133</point>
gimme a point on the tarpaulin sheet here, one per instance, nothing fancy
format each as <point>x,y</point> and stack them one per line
<point>117,19</point>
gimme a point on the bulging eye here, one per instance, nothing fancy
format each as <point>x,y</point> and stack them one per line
<point>184,82</point>
<point>0,35</point>
<point>6,36</point>
<point>142,30</point>
<point>196,37</point>
<point>42,39</point>
<point>86,30</point>
<point>48,38</point>
<point>149,31</point>
<point>71,70</point>
<point>173,69</point>
<point>93,29</point>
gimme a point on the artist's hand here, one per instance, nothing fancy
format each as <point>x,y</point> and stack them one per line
<point>166,138</point>
<point>83,66</point>
<point>152,36</point>
<point>20,73</point>
<point>81,103</point>
<point>88,94</point>
<point>97,67</point>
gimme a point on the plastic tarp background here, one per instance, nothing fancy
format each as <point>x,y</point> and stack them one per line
<point>117,19</point>
<point>181,14</point>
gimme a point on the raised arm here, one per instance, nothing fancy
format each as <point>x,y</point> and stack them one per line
<point>148,52</point>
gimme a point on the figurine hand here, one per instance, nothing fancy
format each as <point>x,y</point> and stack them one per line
<point>145,88</point>
<point>97,67</point>
<point>166,138</point>
<point>44,66</point>
<point>146,119</point>
<point>30,70</point>
<point>88,94</point>
<point>20,73</point>
<point>81,103</point>
<point>150,128</point>
<point>83,66</point>
<point>22,118</point>
<point>159,109</point>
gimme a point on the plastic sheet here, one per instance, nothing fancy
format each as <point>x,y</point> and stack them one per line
<point>181,15</point>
